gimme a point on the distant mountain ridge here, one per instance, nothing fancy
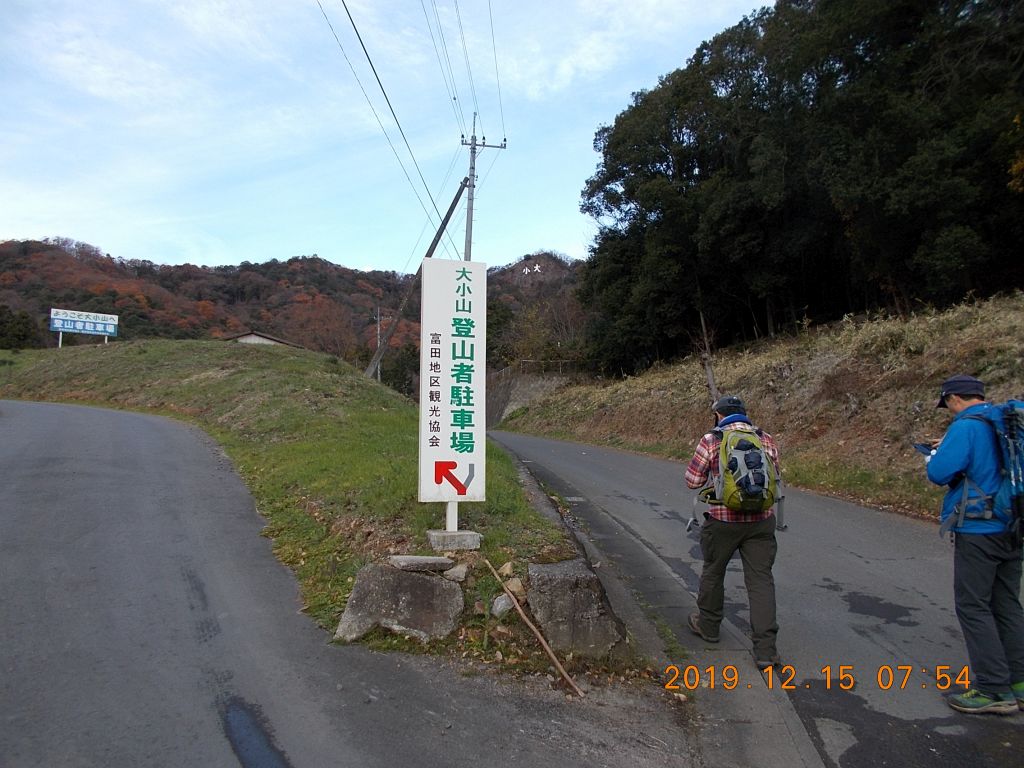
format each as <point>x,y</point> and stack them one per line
<point>306,300</point>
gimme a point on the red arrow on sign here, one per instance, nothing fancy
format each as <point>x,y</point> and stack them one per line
<point>443,471</point>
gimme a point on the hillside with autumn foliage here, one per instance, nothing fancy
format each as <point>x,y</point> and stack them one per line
<point>305,300</point>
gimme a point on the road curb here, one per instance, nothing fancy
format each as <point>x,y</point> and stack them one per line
<point>643,633</point>
<point>756,726</point>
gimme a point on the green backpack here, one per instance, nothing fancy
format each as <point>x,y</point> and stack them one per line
<point>747,480</point>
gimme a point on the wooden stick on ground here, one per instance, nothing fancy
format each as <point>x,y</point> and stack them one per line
<point>540,637</point>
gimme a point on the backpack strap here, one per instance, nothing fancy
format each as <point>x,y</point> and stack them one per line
<point>706,494</point>
<point>959,514</point>
<point>989,500</point>
<point>709,492</point>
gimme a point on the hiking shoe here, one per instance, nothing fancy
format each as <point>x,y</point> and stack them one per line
<point>763,664</point>
<point>978,702</point>
<point>1018,691</point>
<point>694,623</point>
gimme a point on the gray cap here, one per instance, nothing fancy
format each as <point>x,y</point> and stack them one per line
<point>729,405</point>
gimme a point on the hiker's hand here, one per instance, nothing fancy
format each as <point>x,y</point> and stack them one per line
<point>934,442</point>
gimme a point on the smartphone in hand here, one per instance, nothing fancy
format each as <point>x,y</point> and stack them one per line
<point>924,448</point>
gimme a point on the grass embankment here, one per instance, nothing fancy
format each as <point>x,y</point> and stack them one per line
<point>845,401</point>
<point>329,456</point>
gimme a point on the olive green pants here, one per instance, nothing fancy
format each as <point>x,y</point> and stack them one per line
<point>757,547</point>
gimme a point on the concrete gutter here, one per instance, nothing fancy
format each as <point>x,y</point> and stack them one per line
<point>747,726</point>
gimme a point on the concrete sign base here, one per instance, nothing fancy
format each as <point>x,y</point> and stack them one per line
<point>447,541</point>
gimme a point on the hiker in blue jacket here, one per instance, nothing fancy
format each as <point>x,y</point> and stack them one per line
<point>987,558</point>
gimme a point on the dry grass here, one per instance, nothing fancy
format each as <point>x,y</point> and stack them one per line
<point>845,401</point>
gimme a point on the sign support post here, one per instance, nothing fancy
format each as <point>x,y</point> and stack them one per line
<point>453,376</point>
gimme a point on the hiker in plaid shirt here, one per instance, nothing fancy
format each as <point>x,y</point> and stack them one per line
<point>724,532</point>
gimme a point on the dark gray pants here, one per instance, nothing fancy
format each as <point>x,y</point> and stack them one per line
<point>986,587</point>
<point>757,547</point>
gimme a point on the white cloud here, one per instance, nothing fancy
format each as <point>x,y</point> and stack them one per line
<point>556,46</point>
<point>239,27</point>
<point>118,75</point>
<point>235,128</point>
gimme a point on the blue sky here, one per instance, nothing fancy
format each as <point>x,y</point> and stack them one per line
<point>220,131</point>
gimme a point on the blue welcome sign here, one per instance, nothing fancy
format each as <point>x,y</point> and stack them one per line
<point>72,321</point>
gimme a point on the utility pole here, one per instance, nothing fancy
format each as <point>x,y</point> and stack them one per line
<point>468,184</point>
<point>472,144</point>
<point>378,341</point>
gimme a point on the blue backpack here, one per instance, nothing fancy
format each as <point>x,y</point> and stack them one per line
<point>1007,503</point>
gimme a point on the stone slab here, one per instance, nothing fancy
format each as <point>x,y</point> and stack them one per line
<point>420,563</point>
<point>422,605</point>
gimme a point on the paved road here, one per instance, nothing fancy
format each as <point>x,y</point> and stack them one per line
<point>857,588</point>
<point>144,622</point>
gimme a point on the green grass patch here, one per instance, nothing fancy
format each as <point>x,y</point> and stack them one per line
<point>673,648</point>
<point>329,456</point>
<point>885,488</point>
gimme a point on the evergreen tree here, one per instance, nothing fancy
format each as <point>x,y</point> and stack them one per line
<point>818,158</point>
<point>18,330</point>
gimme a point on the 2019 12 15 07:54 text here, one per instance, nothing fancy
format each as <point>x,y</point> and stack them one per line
<point>845,677</point>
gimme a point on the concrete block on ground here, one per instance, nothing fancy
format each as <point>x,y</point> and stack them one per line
<point>570,605</point>
<point>448,541</point>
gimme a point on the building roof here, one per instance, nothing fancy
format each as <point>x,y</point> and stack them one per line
<point>266,336</point>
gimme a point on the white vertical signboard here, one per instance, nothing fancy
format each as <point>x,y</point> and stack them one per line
<point>453,375</point>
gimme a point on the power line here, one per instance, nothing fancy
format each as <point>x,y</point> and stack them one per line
<point>448,60</point>
<point>497,79</point>
<point>377,117</point>
<point>447,175</point>
<point>453,94</point>
<point>395,116</point>
<point>469,70</point>
<point>447,231</point>
<point>487,172</point>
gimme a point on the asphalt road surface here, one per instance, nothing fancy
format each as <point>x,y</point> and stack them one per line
<point>864,602</point>
<point>145,622</point>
